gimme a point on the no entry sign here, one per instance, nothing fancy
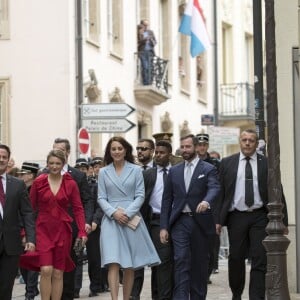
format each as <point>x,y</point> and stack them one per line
<point>83,141</point>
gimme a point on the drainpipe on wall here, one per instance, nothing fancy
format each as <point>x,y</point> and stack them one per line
<point>216,82</point>
<point>258,71</point>
<point>79,66</point>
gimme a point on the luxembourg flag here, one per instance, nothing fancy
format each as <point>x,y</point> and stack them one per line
<point>193,24</point>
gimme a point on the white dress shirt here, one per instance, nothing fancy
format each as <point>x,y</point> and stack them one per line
<point>3,178</point>
<point>239,194</point>
<point>158,189</point>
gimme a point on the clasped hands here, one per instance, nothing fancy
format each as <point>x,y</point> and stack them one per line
<point>120,216</point>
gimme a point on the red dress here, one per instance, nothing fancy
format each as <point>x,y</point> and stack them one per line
<point>53,224</point>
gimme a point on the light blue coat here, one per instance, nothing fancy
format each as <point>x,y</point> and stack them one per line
<point>120,244</point>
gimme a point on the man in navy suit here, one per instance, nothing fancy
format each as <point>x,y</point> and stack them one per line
<point>246,218</point>
<point>186,218</point>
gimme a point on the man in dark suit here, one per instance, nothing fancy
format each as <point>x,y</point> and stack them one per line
<point>214,244</point>
<point>28,173</point>
<point>189,192</point>
<point>14,203</point>
<point>243,208</point>
<point>145,151</point>
<point>88,204</point>
<point>154,178</point>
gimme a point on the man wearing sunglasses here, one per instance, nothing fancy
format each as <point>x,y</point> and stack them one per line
<point>145,152</point>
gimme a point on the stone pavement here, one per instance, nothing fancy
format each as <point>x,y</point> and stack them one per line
<point>218,290</point>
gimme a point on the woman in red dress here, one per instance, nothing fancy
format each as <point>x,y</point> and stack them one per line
<point>51,196</point>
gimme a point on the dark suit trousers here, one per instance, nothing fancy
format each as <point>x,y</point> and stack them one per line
<point>94,260</point>
<point>137,284</point>
<point>246,231</point>
<point>190,245</point>
<point>8,272</point>
<point>69,278</point>
<point>31,280</point>
<point>161,275</point>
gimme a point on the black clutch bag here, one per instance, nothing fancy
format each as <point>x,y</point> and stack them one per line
<point>78,247</point>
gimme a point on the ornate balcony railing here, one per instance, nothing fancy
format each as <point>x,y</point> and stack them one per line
<point>157,73</point>
<point>237,101</point>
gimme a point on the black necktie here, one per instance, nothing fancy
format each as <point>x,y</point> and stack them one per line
<point>165,175</point>
<point>249,194</point>
<point>145,167</point>
<point>2,195</point>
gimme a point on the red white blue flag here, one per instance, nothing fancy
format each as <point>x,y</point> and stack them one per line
<point>193,24</point>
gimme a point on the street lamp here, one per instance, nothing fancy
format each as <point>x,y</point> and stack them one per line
<point>275,243</point>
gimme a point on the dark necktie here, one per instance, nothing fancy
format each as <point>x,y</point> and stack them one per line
<point>249,193</point>
<point>145,167</point>
<point>2,195</point>
<point>165,175</point>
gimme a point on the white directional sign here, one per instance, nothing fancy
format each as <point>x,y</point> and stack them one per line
<point>105,110</point>
<point>107,125</point>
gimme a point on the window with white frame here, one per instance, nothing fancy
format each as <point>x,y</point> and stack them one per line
<point>92,21</point>
<point>4,96</point>
<point>115,27</point>
<point>4,20</point>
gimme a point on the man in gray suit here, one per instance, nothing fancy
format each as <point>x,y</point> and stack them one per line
<point>14,203</point>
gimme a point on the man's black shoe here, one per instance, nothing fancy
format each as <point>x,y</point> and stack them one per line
<point>93,294</point>
<point>76,295</point>
<point>29,298</point>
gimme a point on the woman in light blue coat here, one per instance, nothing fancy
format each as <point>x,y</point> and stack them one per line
<point>120,195</point>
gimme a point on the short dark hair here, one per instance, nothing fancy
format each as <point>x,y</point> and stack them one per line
<point>194,138</point>
<point>149,141</point>
<point>65,141</point>
<point>5,147</point>
<point>252,131</point>
<point>165,144</point>
<point>107,156</point>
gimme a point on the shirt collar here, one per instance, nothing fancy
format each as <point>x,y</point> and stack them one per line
<point>253,156</point>
<point>160,168</point>
<point>193,162</point>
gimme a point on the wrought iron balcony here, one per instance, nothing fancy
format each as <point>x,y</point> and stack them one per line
<point>236,101</point>
<point>156,90</point>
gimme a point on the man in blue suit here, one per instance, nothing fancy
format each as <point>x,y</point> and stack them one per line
<point>186,218</point>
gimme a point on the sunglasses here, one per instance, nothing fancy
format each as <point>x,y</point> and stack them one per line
<point>142,148</point>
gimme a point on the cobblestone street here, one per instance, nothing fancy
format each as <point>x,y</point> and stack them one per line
<point>218,290</point>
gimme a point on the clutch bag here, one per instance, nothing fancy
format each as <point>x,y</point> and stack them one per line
<point>133,222</point>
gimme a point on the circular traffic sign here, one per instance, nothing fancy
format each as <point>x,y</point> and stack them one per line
<point>83,141</point>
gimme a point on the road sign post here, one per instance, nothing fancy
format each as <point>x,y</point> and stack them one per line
<point>83,140</point>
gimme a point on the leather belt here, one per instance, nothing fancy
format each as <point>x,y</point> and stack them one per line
<point>187,213</point>
<point>251,210</point>
<point>155,217</point>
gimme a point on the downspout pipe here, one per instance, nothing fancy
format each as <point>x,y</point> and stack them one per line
<point>216,82</point>
<point>79,65</point>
